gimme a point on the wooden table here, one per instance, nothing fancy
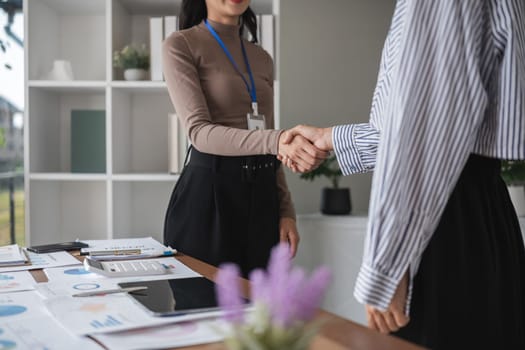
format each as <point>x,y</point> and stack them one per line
<point>337,333</point>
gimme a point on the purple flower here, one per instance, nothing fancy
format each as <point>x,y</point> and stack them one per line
<point>285,310</point>
<point>278,271</point>
<point>311,295</point>
<point>228,293</point>
<point>289,295</point>
<point>259,285</point>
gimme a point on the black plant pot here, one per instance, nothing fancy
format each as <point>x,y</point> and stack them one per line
<point>336,201</point>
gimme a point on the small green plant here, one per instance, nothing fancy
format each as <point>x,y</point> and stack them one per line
<point>513,172</point>
<point>329,169</point>
<point>131,57</point>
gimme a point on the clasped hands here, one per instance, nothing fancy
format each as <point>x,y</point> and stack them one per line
<point>303,148</point>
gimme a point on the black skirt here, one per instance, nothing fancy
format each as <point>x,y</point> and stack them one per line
<point>225,209</point>
<point>469,291</point>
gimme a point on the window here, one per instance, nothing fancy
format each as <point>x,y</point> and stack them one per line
<point>11,123</point>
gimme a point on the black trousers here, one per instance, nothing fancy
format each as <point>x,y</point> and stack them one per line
<point>469,291</point>
<point>225,209</point>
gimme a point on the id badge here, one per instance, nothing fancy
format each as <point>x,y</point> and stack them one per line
<point>256,122</point>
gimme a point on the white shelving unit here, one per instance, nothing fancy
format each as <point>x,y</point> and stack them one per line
<point>130,198</point>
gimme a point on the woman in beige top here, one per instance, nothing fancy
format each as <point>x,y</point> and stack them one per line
<point>231,202</point>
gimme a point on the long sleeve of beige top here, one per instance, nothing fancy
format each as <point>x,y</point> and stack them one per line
<point>211,99</point>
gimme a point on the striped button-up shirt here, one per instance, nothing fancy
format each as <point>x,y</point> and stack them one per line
<point>451,83</point>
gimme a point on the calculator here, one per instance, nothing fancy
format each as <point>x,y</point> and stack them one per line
<point>125,268</point>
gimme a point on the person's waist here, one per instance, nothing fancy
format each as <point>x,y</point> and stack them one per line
<point>252,163</point>
<point>482,166</point>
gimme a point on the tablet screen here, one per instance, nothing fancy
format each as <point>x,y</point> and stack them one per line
<point>175,296</point>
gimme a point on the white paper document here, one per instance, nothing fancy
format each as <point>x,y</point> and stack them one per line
<point>168,336</point>
<point>41,333</point>
<point>12,255</point>
<point>78,274</point>
<point>51,290</point>
<point>21,306</point>
<point>102,314</point>
<point>70,273</point>
<point>40,261</point>
<point>16,282</point>
<point>147,246</point>
<point>110,313</point>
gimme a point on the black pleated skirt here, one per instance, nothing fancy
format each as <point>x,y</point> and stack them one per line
<point>469,291</point>
<point>225,209</point>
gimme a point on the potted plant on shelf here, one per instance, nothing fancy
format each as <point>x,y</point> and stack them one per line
<point>134,61</point>
<point>513,173</point>
<point>334,200</point>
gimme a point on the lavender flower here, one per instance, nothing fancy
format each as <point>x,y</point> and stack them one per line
<point>289,296</point>
<point>285,311</point>
<point>259,285</point>
<point>228,293</point>
<point>312,293</point>
<point>285,301</point>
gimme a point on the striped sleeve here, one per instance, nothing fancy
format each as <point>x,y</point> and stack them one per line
<point>355,147</point>
<point>431,121</point>
<point>509,34</point>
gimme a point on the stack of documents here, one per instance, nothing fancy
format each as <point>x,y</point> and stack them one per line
<point>12,255</point>
<point>125,249</point>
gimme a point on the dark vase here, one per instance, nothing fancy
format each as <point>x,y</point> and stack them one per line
<point>336,201</point>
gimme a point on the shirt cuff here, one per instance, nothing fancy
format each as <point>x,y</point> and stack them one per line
<point>374,288</point>
<point>377,289</point>
<point>355,147</point>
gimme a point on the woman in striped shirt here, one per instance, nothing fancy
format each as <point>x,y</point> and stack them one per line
<point>443,243</point>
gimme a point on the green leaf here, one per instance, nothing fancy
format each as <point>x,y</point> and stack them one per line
<point>329,169</point>
<point>132,56</point>
<point>513,172</point>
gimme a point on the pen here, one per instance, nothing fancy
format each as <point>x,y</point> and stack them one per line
<point>113,252</point>
<point>110,291</point>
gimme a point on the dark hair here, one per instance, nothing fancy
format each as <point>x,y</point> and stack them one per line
<point>193,12</point>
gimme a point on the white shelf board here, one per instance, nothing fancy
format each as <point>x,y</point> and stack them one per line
<point>146,177</point>
<point>140,86</point>
<point>68,86</point>
<point>135,7</point>
<point>76,7</point>
<point>67,177</point>
<point>168,6</point>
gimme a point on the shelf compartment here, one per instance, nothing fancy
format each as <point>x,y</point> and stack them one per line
<point>140,86</point>
<point>131,23</point>
<point>67,177</point>
<point>50,126</point>
<point>72,30</point>
<point>67,86</point>
<point>63,211</point>
<point>140,131</point>
<point>139,208</point>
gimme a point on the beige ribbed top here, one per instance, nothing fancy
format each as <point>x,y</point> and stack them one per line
<point>211,99</point>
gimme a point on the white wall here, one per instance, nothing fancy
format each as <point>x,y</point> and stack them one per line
<point>329,59</point>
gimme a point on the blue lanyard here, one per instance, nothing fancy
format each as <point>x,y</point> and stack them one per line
<point>251,90</point>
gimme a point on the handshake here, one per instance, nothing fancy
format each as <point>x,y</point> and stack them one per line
<point>303,148</point>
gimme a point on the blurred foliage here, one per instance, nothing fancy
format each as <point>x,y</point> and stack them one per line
<point>329,169</point>
<point>2,138</point>
<point>132,57</point>
<point>513,172</point>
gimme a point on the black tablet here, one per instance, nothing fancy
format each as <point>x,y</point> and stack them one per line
<point>175,297</point>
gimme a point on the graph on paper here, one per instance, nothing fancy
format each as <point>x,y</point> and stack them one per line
<point>108,322</point>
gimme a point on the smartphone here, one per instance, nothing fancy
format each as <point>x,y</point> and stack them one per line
<point>125,268</point>
<point>57,247</point>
